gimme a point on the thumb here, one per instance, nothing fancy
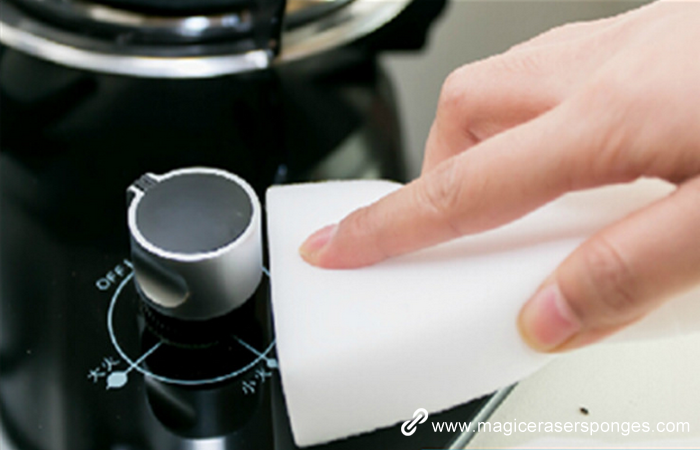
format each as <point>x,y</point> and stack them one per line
<point>619,275</point>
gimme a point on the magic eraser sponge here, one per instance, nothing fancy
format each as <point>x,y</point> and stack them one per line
<point>364,348</point>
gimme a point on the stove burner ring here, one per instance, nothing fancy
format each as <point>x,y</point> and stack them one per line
<point>261,356</point>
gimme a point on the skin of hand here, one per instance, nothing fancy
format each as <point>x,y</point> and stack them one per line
<point>583,105</point>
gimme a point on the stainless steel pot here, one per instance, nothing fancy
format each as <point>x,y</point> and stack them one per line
<point>104,38</point>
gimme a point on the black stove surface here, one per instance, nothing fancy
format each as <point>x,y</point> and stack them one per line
<point>84,364</point>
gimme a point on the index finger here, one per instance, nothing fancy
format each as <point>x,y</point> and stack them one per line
<point>496,182</point>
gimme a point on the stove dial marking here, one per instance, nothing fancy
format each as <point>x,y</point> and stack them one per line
<point>118,379</point>
<point>111,278</point>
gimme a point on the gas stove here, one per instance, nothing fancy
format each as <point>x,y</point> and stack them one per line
<point>85,361</point>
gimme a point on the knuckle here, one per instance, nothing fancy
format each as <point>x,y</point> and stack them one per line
<point>363,231</point>
<point>462,89</point>
<point>610,91</point>
<point>463,100</point>
<point>611,280</point>
<point>633,123</point>
<point>360,222</point>
<point>452,94</point>
<point>441,195</point>
<point>605,134</point>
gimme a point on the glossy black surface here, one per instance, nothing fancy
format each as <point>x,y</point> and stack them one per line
<point>71,142</point>
<point>250,24</point>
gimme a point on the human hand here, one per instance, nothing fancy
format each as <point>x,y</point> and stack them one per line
<point>583,105</point>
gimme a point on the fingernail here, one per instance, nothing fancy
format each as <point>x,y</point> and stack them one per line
<point>312,246</point>
<point>547,321</point>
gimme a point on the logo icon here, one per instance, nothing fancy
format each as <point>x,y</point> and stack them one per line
<point>409,426</point>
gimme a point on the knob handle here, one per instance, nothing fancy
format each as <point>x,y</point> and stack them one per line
<point>195,241</point>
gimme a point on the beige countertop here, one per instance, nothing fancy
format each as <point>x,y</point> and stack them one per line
<point>632,382</point>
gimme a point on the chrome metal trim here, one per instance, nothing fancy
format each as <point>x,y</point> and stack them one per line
<point>186,26</point>
<point>463,439</point>
<point>141,66</point>
<point>340,27</point>
<point>344,26</point>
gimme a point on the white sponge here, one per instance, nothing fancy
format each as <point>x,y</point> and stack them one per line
<point>363,349</point>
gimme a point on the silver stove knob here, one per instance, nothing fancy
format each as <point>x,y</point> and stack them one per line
<point>195,241</point>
